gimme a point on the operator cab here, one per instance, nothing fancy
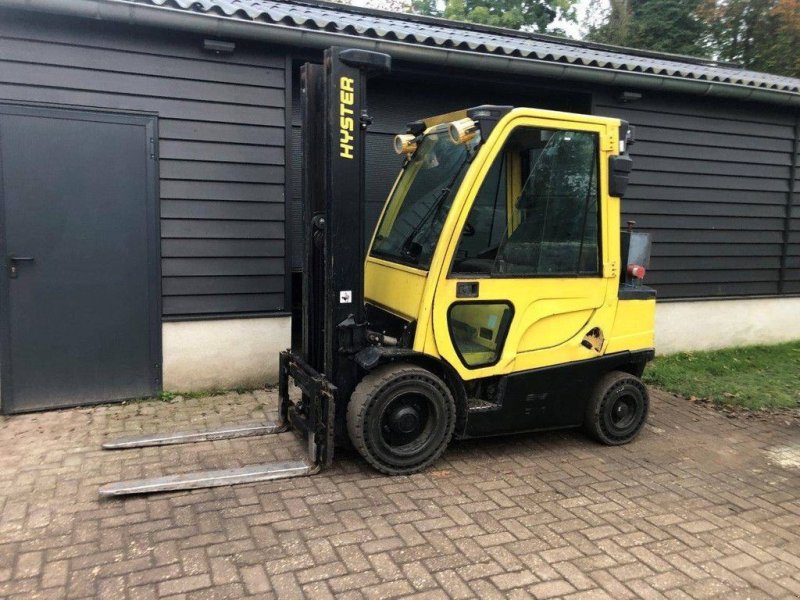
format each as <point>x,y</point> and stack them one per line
<point>499,253</point>
<point>500,239</point>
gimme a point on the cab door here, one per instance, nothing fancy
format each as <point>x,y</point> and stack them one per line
<point>528,270</point>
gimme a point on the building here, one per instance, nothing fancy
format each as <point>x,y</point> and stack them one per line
<point>149,153</point>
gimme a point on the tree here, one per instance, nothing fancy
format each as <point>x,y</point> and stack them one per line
<point>763,35</point>
<point>535,15</point>
<point>735,27</point>
<point>661,25</point>
<point>611,27</point>
<point>759,34</point>
<point>786,50</point>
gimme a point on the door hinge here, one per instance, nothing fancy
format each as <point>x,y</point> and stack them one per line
<point>611,269</point>
<point>153,155</point>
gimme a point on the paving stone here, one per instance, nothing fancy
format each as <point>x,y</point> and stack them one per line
<point>255,579</point>
<point>55,574</point>
<point>183,585</point>
<point>693,509</point>
<point>551,589</point>
<point>508,581</point>
<point>28,565</point>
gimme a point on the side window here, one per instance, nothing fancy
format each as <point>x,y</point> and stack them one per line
<point>478,331</point>
<point>487,222</point>
<point>536,213</point>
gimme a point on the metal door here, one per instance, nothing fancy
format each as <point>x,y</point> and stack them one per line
<point>80,289</point>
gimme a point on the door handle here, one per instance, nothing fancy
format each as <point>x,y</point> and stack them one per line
<point>467,289</point>
<point>12,267</point>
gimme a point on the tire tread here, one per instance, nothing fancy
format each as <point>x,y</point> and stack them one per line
<point>359,404</point>
<point>592,423</point>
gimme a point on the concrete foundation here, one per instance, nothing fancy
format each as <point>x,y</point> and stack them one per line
<point>223,354</point>
<point>243,353</point>
<point>710,324</point>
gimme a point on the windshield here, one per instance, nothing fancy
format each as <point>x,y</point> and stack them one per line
<point>415,214</point>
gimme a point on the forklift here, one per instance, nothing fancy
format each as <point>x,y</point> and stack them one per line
<point>499,293</point>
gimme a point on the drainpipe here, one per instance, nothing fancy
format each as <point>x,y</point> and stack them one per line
<point>134,13</point>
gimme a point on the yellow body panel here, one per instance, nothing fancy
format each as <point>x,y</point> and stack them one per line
<point>633,326</point>
<point>549,323</point>
<point>395,287</point>
<point>551,315</point>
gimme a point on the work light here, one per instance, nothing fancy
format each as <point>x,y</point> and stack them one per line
<point>463,130</point>
<point>405,143</point>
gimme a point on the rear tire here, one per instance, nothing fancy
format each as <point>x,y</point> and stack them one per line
<point>400,418</point>
<point>617,409</point>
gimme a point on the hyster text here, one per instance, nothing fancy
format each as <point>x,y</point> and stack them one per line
<point>346,121</point>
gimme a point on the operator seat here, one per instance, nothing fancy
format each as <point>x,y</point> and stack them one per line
<point>526,253</point>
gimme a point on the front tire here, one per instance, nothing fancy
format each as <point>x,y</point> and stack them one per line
<point>617,409</point>
<point>400,418</point>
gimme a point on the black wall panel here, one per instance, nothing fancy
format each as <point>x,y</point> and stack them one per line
<point>221,145</point>
<point>711,183</point>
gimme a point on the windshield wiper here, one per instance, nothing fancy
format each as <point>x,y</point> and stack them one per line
<point>436,206</point>
<point>407,248</point>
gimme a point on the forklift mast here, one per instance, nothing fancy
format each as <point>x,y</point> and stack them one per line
<point>334,125</point>
<point>335,121</point>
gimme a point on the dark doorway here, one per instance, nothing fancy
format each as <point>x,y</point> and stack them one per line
<point>80,291</point>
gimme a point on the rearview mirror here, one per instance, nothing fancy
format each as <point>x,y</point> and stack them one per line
<point>619,170</point>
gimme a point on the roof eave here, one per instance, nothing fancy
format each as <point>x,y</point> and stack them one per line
<point>225,27</point>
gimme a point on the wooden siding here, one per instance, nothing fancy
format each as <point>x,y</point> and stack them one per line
<point>711,183</point>
<point>791,281</point>
<point>221,145</point>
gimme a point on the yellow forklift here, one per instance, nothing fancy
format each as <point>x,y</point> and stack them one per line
<point>499,292</point>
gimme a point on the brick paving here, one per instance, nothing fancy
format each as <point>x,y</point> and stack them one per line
<point>701,506</point>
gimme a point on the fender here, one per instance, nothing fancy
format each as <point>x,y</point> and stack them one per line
<point>371,357</point>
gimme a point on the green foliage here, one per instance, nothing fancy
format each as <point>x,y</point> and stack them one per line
<point>759,34</point>
<point>661,25</point>
<point>751,376</point>
<point>763,35</point>
<point>536,15</point>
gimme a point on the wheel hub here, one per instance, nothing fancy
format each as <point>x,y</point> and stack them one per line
<point>622,411</point>
<point>404,420</point>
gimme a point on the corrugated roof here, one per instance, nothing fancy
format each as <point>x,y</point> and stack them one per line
<point>370,23</point>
